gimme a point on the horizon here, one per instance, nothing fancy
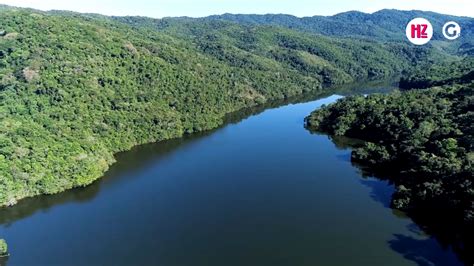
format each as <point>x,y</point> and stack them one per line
<point>122,9</point>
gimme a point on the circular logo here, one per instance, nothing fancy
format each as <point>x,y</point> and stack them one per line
<point>419,31</point>
<point>451,30</point>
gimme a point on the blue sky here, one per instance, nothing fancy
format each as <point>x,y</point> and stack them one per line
<point>198,8</point>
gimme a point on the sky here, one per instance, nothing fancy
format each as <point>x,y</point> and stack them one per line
<point>200,8</point>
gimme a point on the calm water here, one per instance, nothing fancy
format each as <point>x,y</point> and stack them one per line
<point>259,191</point>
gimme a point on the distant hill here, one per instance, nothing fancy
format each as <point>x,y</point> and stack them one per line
<point>386,25</point>
<point>383,25</point>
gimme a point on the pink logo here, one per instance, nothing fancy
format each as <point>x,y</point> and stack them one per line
<point>419,31</point>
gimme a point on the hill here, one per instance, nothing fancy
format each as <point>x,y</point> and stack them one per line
<point>77,88</point>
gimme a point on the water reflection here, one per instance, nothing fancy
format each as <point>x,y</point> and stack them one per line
<point>428,221</point>
<point>141,155</point>
<point>422,251</point>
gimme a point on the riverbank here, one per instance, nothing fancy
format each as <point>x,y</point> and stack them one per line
<point>422,141</point>
<point>101,165</point>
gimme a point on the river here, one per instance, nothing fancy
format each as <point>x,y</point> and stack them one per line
<point>260,190</point>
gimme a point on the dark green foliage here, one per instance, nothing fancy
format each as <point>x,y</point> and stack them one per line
<point>424,137</point>
<point>383,25</point>
<point>423,142</point>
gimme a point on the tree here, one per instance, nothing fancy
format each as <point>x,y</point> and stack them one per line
<point>3,248</point>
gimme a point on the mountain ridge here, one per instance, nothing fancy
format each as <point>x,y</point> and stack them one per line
<point>381,25</point>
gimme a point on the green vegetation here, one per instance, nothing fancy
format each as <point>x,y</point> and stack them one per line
<point>458,71</point>
<point>423,142</point>
<point>3,248</point>
<point>75,89</point>
<point>329,60</point>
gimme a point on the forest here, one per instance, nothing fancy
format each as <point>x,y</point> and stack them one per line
<point>77,88</point>
<point>421,140</point>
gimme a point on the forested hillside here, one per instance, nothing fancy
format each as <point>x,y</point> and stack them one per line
<point>423,142</point>
<point>383,25</point>
<point>77,88</point>
<point>330,60</point>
